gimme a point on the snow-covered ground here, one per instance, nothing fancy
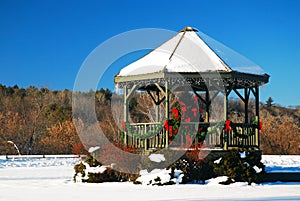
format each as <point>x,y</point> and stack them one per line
<point>46,179</point>
<point>283,163</point>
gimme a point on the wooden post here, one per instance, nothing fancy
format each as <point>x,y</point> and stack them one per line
<point>226,104</point>
<point>167,111</point>
<point>127,94</point>
<point>207,105</point>
<point>257,118</point>
<point>145,139</point>
<point>246,101</point>
<point>226,137</point>
<point>157,106</point>
<point>125,116</point>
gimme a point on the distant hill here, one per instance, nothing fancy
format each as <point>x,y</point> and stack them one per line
<point>281,130</point>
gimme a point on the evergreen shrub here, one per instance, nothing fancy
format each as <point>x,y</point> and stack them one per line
<point>109,175</point>
<point>248,168</point>
<point>194,169</point>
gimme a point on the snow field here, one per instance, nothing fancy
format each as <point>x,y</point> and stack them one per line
<point>52,179</point>
<point>281,163</point>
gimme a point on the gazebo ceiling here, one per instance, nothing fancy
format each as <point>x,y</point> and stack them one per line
<point>187,59</point>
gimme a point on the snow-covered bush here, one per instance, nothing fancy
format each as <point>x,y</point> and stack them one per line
<point>155,177</point>
<point>245,166</point>
<point>107,175</point>
<point>92,171</point>
<point>79,171</point>
<point>193,168</point>
<point>238,166</point>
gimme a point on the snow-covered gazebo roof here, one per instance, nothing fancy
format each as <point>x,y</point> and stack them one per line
<point>191,54</point>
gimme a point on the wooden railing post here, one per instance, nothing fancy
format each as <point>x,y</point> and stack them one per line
<point>145,139</point>
<point>167,112</point>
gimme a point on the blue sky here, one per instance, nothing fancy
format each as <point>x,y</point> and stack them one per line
<point>44,43</point>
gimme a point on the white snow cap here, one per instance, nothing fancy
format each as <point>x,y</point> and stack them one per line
<point>185,52</point>
<point>188,52</point>
<point>149,177</point>
<point>157,158</point>
<point>92,149</point>
<point>243,154</point>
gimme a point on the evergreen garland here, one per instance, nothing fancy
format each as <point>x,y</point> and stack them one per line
<point>146,135</point>
<point>244,135</point>
<point>201,133</point>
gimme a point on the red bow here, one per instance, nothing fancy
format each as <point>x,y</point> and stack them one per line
<point>227,126</point>
<point>175,113</point>
<point>260,125</point>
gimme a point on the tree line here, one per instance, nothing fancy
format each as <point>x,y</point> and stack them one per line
<point>40,121</point>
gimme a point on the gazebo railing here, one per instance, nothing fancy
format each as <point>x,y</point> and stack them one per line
<point>242,135</point>
<point>146,135</point>
<point>151,136</point>
<point>200,134</point>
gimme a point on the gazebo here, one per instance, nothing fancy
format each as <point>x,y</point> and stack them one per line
<point>186,63</point>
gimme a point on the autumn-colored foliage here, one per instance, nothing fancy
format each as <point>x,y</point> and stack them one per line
<point>40,121</point>
<point>79,149</point>
<point>61,138</point>
<point>280,132</point>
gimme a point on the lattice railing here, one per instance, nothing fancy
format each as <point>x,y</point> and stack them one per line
<point>210,135</point>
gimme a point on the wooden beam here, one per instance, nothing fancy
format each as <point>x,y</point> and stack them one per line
<point>239,95</point>
<point>160,89</point>
<point>152,97</point>
<point>213,97</point>
<point>229,90</point>
<point>131,91</point>
<point>161,100</point>
<point>158,101</point>
<point>207,101</point>
<point>198,95</point>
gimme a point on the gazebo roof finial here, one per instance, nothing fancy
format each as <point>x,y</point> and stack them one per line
<point>188,28</point>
